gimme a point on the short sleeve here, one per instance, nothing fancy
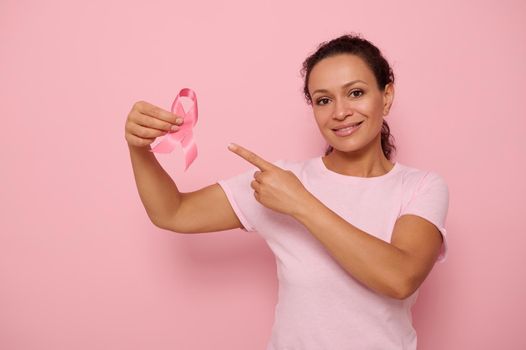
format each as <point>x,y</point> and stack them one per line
<point>241,196</point>
<point>431,201</point>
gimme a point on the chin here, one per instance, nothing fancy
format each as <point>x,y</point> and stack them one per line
<point>344,145</point>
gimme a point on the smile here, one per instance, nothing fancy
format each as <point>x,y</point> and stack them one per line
<point>346,131</point>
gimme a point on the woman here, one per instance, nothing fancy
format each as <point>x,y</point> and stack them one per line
<point>354,234</point>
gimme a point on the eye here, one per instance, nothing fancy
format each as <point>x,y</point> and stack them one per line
<point>353,93</point>
<point>322,99</point>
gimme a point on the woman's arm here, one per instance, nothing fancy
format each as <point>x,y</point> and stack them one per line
<point>394,269</point>
<point>204,210</point>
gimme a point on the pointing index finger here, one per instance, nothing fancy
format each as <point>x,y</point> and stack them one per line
<point>251,157</point>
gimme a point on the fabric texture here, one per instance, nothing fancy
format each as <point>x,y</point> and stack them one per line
<point>320,305</point>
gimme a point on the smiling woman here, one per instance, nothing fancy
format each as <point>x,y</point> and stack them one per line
<point>354,234</point>
<point>350,96</point>
<point>368,60</point>
<point>365,231</point>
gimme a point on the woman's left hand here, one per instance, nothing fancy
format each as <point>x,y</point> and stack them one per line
<point>274,187</point>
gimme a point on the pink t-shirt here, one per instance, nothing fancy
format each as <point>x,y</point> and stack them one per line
<point>320,305</point>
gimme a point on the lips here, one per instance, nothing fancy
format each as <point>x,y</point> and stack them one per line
<point>347,125</point>
<point>347,129</point>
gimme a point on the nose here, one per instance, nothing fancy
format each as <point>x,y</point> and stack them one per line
<point>342,109</point>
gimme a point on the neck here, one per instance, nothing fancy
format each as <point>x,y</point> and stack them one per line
<point>359,163</point>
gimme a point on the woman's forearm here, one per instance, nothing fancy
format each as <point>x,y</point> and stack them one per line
<point>158,192</point>
<point>378,264</point>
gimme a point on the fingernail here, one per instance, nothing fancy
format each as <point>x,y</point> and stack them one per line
<point>174,127</point>
<point>179,120</point>
<point>231,146</point>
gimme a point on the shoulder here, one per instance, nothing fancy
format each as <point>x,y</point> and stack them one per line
<point>423,183</point>
<point>416,177</point>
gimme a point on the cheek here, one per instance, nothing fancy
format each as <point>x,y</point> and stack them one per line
<point>366,107</point>
<point>321,115</point>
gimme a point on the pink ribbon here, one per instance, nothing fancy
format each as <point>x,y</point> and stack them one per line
<point>184,135</point>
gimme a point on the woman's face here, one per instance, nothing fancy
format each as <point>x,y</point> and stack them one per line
<point>344,92</point>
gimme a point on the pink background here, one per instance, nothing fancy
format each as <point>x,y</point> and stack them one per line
<point>81,265</point>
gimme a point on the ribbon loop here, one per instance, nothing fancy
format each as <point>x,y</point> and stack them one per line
<point>183,136</point>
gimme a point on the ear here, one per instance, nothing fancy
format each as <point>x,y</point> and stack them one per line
<point>388,98</point>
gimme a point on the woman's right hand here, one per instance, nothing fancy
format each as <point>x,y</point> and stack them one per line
<point>146,122</point>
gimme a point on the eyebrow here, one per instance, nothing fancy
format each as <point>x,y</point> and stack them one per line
<point>346,85</point>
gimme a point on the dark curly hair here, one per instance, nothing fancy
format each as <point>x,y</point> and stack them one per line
<point>356,45</point>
